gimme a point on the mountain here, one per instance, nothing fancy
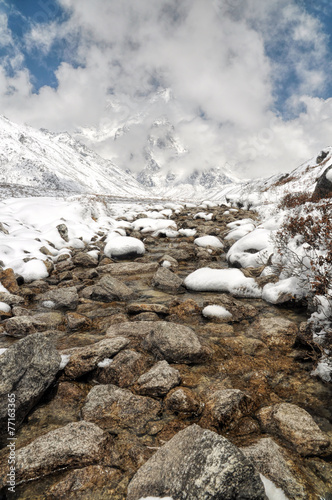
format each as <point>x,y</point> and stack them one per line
<point>46,163</point>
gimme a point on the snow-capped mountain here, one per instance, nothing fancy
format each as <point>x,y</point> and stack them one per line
<point>51,163</point>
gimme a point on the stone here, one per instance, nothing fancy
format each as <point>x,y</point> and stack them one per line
<point>225,406</point>
<point>113,408</point>
<point>167,281</point>
<point>27,369</point>
<point>124,369</point>
<point>159,380</point>
<point>108,289</point>
<point>77,321</point>
<point>19,326</point>
<point>131,329</point>
<point>146,316</point>
<point>185,309</point>
<point>182,400</point>
<point>323,187</point>
<point>272,461</point>
<point>60,298</point>
<point>175,343</point>
<point>197,464</point>
<point>49,319</point>
<point>77,444</point>
<point>295,426</point>
<point>173,263</point>
<point>11,299</point>
<point>63,231</point>
<point>238,308</point>
<point>85,359</point>
<point>8,280</point>
<point>136,308</point>
<point>276,332</point>
<point>84,260</point>
<point>129,268</point>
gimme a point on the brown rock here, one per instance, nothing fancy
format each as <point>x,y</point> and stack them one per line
<point>8,280</point>
<point>225,406</point>
<point>77,321</point>
<point>146,316</point>
<point>136,308</point>
<point>276,332</point>
<point>84,260</point>
<point>183,401</point>
<point>159,380</point>
<point>128,268</point>
<point>124,369</point>
<point>108,289</point>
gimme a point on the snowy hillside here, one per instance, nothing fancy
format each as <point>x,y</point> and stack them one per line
<point>50,163</point>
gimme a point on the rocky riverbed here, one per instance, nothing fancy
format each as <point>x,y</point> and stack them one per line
<point>124,389</point>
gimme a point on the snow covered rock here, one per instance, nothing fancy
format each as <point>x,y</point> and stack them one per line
<point>197,463</point>
<point>159,380</point>
<point>218,312</point>
<point>208,241</point>
<point>27,369</point>
<point>251,250</point>
<point>124,247</point>
<point>295,426</point>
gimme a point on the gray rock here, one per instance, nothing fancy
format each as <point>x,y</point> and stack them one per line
<point>129,268</point>
<point>113,408</point>
<point>60,298</point>
<point>182,400</point>
<point>19,326</point>
<point>323,187</point>
<point>84,260</point>
<point>11,299</point>
<point>159,380</point>
<point>295,426</point>
<point>272,461</point>
<point>175,343</point>
<point>130,329</point>
<point>85,359</point>
<point>125,368</point>
<point>50,319</point>
<point>76,445</point>
<point>27,369</point>
<point>108,289</point>
<point>197,464</point>
<point>173,262</point>
<point>227,405</point>
<point>63,231</point>
<point>167,281</point>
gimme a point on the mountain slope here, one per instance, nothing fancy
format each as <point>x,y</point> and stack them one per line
<point>51,163</point>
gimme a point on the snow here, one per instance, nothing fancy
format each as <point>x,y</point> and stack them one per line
<point>329,175</point>
<point>188,232</point>
<point>252,250</point>
<point>215,311</point>
<point>2,350</point>
<point>32,270</point>
<point>203,215</point>
<point>4,307</point>
<point>166,263</point>
<point>272,492</point>
<point>64,361</point>
<point>208,241</point>
<point>147,225</point>
<point>324,369</point>
<point>123,245</point>
<point>49,304</point>
<point>222,280</point>
<point>272,292</point>
<point>105,362</point>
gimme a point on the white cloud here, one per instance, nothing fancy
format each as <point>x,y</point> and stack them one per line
<point>214,58</point>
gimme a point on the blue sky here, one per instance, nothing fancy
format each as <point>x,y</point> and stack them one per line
<point>248,78</point>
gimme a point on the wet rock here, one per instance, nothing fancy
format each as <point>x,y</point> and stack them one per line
<point>63,231</point>
<point>295,426</point>
<point>147,316</point>
<point>225,406</point>
<point>183,401</point>
<point>113,408</point>
<point>93,481</point>
<point>8,280</point>
<point>168,261</point>
<point>128,268</point>
<point>77,321</point>
<point>27,369</point>
<point>108,289</point>
<point>74,445</point>
<point>272,461</point>
<point>167,281</point>
<point>159,380</point>
<point>11,299</point>
<point>85,260</point>
<point>175,343</point>
<point>276,332</point>
<point>238,308</point>
<point>218,330</point>
<point>182,255</point>
<point>124,369</point>
<point>185,310</point>
<point>19,326</point>
<point>60,298</point>
<point>139,308</point>
<point>139,329</point>
<point>242,345</point>
<point>197,463</point>
<point>85,359</point>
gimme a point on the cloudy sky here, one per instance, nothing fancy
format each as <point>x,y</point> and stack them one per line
<point>242,83</point>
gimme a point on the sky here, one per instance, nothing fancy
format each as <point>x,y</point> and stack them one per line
<point>192,84</point>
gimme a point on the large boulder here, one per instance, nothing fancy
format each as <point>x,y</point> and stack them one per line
<point>27,369</point>
<point>197,464</point>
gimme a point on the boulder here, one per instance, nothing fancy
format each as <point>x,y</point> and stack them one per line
<point>295,426</point>
<point>197,464</point>
<point>276,332</point>
<point>84,260</point>
<point>225,406</point>
<point>175,343</point>
<point>159,380</point>
<point>27,369</point>
<point>19,326</point>
<point>11,299</point>
<point>182,400</point>
<point>75,445</point>
<point>113,408</point>
<point>108,289</point>
<point>123,370</point>
<point>77,321</point>
<point>60,298</point>
<point>167,281</point>
<point>85,359</point>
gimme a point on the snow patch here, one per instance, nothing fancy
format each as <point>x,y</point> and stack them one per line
<point>208,241</point>
<point>123,245</point>
<point>215,311</point>
<point>272,492</point>
<point>105,362</point>
<point>64,361</point>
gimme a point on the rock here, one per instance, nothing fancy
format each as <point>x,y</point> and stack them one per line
<point>77,321</point>
<point>184,401</point>
<point>93,481</point>
<point>27,369</point>
<point>277,332</point>
<point>85,359</point>
<point>60,298</point>
<point>75,445</point>
<point>128,268</point>
<point>323,187</point>
<point>167,281</point>
<point>295,426</point>
<point>238,308</point>
<point>175,343</point>
<point>49,319</point>
<point>147,316</point>
<point>124,247</point>
<point>131,329</point>
<point>168,261</point>
<point>63,231</point>
<point>19,326</point>
<point>226,406</point>
<point>108,289</point>
<point>124,369</point>
<point>159,380</point>
<point>11,299</point>
<point>139,308</point>
<point>185,309</point>
<point>113,408</point>
<point>182,255</point>
<point>84,260</point>
<point>8,280</point>
<point>197,464</point>
<point>269,459</point>
<point>242,345</point>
